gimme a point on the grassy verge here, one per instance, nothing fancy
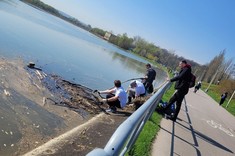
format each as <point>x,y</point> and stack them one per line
<point>214,94</point>
<point>142,146</point>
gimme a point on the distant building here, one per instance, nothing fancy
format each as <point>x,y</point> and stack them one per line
<point>107,36</point>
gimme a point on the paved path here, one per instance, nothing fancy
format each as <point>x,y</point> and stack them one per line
<point>203,128</point>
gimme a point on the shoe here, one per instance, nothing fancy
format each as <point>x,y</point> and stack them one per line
<point>173,119</point>
<point>111,110</point>
<point>170,117</point>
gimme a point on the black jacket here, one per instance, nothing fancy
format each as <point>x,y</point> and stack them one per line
<point>183,79</point>
<point>151,74</point>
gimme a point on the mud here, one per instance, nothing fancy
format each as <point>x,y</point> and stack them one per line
<point>36,107</point>
<point>78,98</point>
<point>30,107</point>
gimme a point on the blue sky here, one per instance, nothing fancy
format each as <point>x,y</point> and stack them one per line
<point>197,30</point>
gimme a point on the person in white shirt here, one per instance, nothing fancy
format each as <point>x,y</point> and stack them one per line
<point>135,90</point>
<point>116,97</point>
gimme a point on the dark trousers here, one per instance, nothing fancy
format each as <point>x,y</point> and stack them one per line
<point>178,98</point>
<point>113,104</point>
<point>148,87</point>
<point>221,101</point>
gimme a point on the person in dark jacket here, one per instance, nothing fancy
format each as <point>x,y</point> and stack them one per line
<point>181,86</point>
<point>198,86</point>
<point>223,97</point>
<point>149,78</point>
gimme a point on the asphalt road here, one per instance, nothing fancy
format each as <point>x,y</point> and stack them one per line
<point>203,128</point>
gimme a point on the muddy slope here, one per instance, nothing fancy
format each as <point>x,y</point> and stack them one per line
<point>35,107</point>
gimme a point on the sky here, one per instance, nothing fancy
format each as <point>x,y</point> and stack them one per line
<point>198,30</point>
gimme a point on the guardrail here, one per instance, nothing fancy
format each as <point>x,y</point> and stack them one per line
<point>126,134</point>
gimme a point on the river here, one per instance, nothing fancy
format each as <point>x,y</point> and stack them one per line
<point>64,49</point>
<point>60,48</point>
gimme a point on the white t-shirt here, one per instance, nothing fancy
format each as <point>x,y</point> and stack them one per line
<point>139,89</point>
<point>122,96</point>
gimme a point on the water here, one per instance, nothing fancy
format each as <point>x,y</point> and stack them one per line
<point>60,48</point>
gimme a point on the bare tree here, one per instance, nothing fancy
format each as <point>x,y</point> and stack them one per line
<point>214,67</point>
<point>225,70</point>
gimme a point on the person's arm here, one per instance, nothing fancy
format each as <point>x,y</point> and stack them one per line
<point>108,91</point>
<point>181,74</point>
<point>146,75</point>
<point>114,98</point>
<point>137,92</point>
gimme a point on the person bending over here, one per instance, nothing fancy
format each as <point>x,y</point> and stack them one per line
<point>135,90</point>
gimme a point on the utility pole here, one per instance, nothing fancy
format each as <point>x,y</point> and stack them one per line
<point>230,99</point>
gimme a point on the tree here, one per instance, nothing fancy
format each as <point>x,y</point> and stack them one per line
<point>214,65</point>
<point>226,66</point>
<point>98,31</point>
<point>124,42</point>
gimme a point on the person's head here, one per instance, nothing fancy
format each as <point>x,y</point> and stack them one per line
<point>117,83</point>
<point>148,65</point>
<point>133,84</point>
<point>182,63</point>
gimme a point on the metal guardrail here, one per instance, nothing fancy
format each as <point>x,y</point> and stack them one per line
<point>126,134</point>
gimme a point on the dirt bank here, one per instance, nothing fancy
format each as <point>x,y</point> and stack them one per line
<point>37,107</point>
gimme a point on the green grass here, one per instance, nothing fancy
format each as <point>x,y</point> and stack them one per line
<point>215,94</point>
<point>142,146</point>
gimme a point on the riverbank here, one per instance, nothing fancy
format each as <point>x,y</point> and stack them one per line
<point>27,118</point>
<point>37,107</point>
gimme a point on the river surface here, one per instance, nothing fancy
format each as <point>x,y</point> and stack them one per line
<point>58,48</point>
<point>64,49</point>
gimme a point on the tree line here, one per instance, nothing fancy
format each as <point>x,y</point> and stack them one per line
<point>55,12</point>
<point>217,71</point>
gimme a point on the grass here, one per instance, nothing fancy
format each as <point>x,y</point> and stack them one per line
<point>215,94</point>
<point>142,146</point>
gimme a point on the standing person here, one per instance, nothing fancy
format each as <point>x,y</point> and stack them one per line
<point>223,97</point>
<point>135,90</point>
<point>116,97</point>
<point>181,86</point>
<point>198,86</point>
<point>149,78</point>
